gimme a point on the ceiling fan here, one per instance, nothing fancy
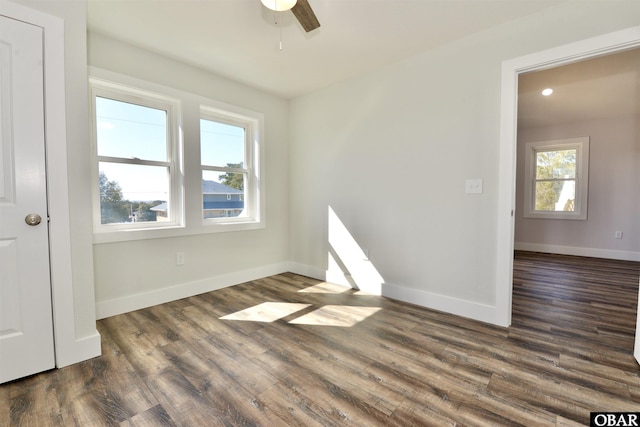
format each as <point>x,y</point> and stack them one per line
<point>301,10</point>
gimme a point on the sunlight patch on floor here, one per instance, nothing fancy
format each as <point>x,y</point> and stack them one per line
<point>336,315</point>
<point>325,288</point>
<point>266,312</point>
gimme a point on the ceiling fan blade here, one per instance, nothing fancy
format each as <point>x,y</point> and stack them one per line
<point>303,12</point>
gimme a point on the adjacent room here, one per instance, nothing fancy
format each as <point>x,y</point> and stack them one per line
<point>342,213</point>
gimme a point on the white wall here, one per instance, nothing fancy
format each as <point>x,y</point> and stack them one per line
<point>131,275</point>
<point>390,152</point>
<point>614,200</point>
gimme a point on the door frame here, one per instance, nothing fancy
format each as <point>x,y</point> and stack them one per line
<point>68,348</point>
<point>511,69</point>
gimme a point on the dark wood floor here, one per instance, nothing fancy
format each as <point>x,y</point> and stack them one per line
<point>288,350</point>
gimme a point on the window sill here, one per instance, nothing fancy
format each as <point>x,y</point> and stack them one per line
<point>177,231</point>
<point>556,215</point>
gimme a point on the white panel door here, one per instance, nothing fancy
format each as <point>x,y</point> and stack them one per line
<point>26,325</point>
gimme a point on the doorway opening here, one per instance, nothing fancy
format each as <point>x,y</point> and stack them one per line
<point>511,70</point>
<point>594,101</point>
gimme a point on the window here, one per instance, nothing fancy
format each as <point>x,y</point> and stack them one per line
<point>556,183</point>
<point>229,176</point>
<point>135,141</point>
<point>170,163</point>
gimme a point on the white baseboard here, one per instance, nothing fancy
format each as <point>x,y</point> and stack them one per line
<point>460,307</point>
<point>577,251</point>
<point>307,270</point>
<point>465,308</point>
<point>159,296</point>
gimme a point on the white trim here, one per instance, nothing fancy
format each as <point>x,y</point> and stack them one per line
<point>253,205</point>
<point>307,270</point>
<point>193,222</point>
<point>573,52</point>
<point>581,179</point>
<point>434,301</point>
<point>160,296</point>
<point>578,251</point>
<point>337,277</point>
<point>99,88</point>
<point>636,346</point>
<point>68,348</point>
<point>431,300</point>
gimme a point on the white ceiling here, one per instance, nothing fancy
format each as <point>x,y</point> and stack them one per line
<point>239,39</point>
<point>603,87</point>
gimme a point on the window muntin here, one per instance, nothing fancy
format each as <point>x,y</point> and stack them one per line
<point>556,183</point>
<point>229,191</point>
<point>135,141</point>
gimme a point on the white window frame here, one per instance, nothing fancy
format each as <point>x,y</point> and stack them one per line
<point>253,193</point>
<point>188,202</point>
<point>133,95</point>
<point>581,145</point>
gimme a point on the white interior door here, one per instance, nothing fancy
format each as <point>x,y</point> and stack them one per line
<point>26,325</point>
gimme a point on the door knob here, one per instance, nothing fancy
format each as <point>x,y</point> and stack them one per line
<point>32,219</point>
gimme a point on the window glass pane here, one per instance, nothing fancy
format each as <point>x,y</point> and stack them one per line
<point>556,164</point>
<point>555,195</point>
<point>221,144</point>
<point>223,194</point>
<point>130,131</point>
<point>133,193</point>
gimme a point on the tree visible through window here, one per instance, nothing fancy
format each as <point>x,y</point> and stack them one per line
<point>134,145</point>
<point>146,159</point>
<point>226,167</point>
<point>234,180</point>
<point>556,180</point>
<point>556,183</point>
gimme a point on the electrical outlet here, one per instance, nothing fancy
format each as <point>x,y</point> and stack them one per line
<point>473,186</point>
<point>618,235</point>
<point>179,258</point>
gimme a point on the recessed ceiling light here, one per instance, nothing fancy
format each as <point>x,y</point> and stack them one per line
<point>548,91</point>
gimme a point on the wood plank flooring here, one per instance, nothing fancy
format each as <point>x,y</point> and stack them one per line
<point>291,351</point>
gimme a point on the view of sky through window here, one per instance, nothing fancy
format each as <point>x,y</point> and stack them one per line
<point>222,144</point>
<point>131,131</point>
